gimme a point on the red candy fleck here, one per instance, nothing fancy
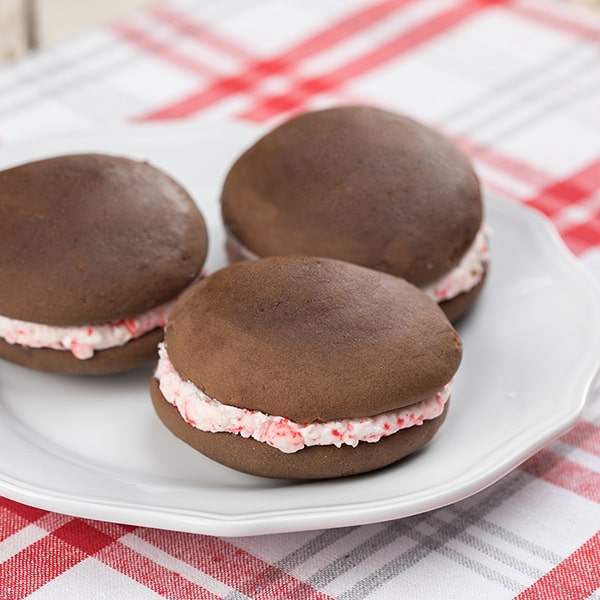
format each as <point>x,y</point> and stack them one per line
<point>130,325</point>
<point>282,429</point>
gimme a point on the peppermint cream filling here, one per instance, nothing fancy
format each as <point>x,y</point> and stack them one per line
<point>207,414</point>
<point>467,274</point>
<point>462,278</point>
<point>82,341</point>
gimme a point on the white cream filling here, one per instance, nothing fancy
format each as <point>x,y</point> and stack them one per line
<point>463,278</point>
<point>207,414</point>
<point>467,274</point>
<point>82,341</point>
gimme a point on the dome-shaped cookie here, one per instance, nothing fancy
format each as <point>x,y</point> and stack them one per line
<point>89,240</point>
<point>306,340</point>
<point>363,185</point>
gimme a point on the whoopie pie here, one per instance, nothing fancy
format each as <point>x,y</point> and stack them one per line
<point>94,250</point>
<point>368,186</point>
<point>305,368</point>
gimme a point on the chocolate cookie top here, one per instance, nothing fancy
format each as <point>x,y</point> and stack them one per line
<point>359,184</point>
<point>92,238</point>
<point>311,339</point>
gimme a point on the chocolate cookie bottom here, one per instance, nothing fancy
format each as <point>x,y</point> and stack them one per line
<point>456,307</point>
<point>112,360</point>
<point>315,462</point>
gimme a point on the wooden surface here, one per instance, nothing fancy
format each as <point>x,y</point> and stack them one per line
<point>13,30</point>
<point>57,20</point>
<point>26,24</point>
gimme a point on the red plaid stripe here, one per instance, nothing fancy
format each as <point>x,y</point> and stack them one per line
<point>572,190</point>
<point>60,550</point>
<point>166,582</point>
<point>298,97</point>
<point>578,576</point>
<point>69,541</point>
<point>233,566</point>
<point>575,578</point>
<point>584,236</point>
<point>564,473</point>
<point>252,73</point>
<point>558,199</point>
<point>15,516</point>
<point>584,435</point>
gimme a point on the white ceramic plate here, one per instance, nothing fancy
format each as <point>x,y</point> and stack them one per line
<point>94,448</point>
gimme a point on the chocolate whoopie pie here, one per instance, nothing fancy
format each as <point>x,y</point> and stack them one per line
<point>94,250</point>
<point>367,186</point>
<point>305,368</point>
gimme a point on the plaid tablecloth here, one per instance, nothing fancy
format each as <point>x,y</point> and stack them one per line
<point>517,84</point>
